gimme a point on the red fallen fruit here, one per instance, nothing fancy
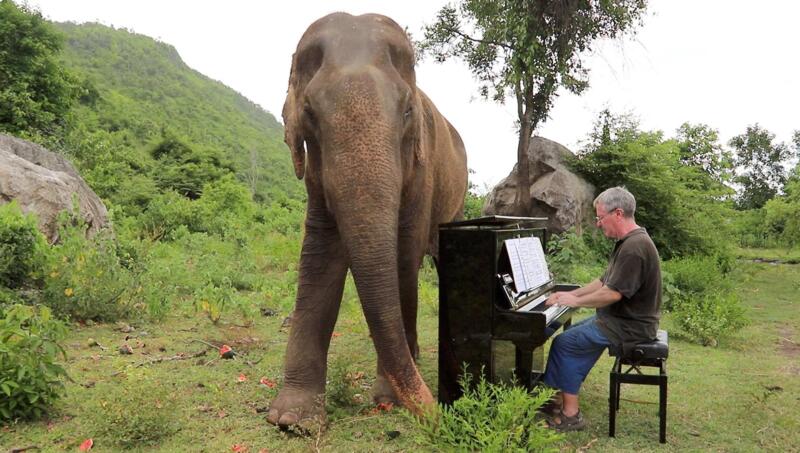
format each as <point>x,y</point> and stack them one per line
<point>86,445</point>
<point>226,352</point>
<point>267,382</point>
<point>239,448</point>
<point>242,378</point>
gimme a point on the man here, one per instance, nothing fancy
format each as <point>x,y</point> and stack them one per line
<point>628,302</point>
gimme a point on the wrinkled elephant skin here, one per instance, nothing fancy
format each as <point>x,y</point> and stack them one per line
<point>383,168</point>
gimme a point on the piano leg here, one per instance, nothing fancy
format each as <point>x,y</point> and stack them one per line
<point>529,365</point>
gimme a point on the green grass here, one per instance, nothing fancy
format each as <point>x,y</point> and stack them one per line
<point>790,256</point>
<point>739,396</point>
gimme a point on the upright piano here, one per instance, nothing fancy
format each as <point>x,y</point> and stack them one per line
<point>489,323</point>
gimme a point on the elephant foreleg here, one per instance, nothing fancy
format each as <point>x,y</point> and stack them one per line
<point>323,267</point>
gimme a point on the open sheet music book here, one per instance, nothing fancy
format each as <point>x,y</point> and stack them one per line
<point>528,265</point>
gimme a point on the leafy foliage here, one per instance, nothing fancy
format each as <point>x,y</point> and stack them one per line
<point>700,148</point>
<point>84,278</point>
<point>528,48</point>
<point>700,294</point>
<point>144,93</point>
<point>489,417</point>
<point>578,258</point>
<point>35,91</point>
<point>20,242</point>
<point>30,377</point>
<point>709,317</point>
<point>681,216</point>
<point>762,174</point>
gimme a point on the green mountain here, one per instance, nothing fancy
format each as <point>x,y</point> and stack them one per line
<point>137,94</point>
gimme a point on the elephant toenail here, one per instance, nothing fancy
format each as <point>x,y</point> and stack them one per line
<point>288,419</point>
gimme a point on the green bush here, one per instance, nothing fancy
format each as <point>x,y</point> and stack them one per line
<point>578,258</point>
<point>709,317</point>
<point>489,418</point>
<point>84,278</point>
<point>136,417</point>
<point>20,242</point>
<point>30,378</point>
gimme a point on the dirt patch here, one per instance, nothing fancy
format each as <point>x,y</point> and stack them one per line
<point>789,348</point>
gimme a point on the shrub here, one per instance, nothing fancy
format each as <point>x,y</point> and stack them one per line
<point>577,258</point>
<point>84,278</point>
<point>136,417</point>
<point>30,378</point>
<point>213,299</point>
<point>709,317</point>
<point>490,418</point>
<point>20,242</point>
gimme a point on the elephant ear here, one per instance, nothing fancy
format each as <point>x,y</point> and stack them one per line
<point>293,135</point>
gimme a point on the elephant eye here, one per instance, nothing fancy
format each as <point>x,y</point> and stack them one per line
<point>407,113</point>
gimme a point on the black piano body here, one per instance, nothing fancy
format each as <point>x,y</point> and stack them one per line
<point>479,326</point>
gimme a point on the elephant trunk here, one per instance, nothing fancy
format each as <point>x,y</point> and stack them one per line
<point>365,194</point>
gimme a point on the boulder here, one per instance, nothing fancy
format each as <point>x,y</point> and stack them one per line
<point>45,183</point>
<point>556,192</point>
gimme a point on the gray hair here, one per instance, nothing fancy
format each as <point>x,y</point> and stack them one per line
<point>617,198</point>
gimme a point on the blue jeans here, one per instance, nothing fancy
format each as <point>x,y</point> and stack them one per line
<point>573,354</point>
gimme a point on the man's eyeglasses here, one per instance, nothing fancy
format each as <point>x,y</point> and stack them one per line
<point>599,219</point>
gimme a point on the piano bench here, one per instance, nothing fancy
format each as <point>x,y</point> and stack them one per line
<point>652,354</point>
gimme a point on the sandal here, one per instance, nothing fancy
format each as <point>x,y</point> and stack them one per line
<point>563,423</point>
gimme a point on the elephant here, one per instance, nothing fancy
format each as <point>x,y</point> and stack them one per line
<point>382,169</point>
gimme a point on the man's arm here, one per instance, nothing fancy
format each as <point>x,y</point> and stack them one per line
<point>593,286</point>
<point>600,297</point>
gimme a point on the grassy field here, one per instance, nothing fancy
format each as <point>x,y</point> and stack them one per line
<point>743,395</point>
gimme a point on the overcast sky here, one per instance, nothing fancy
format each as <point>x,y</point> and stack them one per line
<point>728,64</point>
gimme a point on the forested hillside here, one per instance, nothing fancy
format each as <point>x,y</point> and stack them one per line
<point>137,93</point>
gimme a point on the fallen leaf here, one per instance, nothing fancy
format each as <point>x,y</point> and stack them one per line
<point>68,292</point>
<point>221,414</point>
<point>86,445</point>
<point>263,450</point>
<point>239,448</point>
<point>268,382</point>
<point>336,335</point>
<point>242,378</point>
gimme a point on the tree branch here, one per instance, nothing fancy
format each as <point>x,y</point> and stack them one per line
<point>455,31</point>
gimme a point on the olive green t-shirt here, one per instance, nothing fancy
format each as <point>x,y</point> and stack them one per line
<point>635,272</point>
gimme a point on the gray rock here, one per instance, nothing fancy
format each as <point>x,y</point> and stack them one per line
<point>556,192</point>
<point>45,183</point>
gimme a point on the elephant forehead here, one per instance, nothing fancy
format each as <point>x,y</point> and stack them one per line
<point>359,40</point>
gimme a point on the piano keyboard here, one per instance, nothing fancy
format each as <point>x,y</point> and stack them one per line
<point>549,313</point>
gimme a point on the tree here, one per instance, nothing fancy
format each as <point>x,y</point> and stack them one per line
<point>35,91</point>
<point>759,162</point>
<point>681,217</point>
<point>700,148</point>
<point>528,48</point>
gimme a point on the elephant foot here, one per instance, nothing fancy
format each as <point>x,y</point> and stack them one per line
<point>419,402</point>
<point>382,392</point>
<point>298,409</point>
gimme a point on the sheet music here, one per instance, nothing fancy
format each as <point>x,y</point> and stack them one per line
<point>528,265</point>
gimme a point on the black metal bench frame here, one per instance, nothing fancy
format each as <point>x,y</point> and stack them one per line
<point>634,375</point>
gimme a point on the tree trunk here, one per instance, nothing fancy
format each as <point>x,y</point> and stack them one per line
<point>523,201</point>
